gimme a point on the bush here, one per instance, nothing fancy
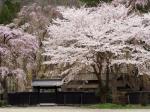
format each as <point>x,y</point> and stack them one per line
<point>8,11</point>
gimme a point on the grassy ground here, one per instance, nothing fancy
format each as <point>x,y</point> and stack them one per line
<point>117,106</point>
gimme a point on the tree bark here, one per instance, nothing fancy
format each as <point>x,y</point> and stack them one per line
<point>103,88</point>
<point>0,60</point>
<point>4,85</point>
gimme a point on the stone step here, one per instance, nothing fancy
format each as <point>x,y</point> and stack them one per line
<point>47,104</point>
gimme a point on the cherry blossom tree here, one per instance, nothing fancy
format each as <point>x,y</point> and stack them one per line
<point>106,30</point>
<point>17,50</point>
<point>17,74</point>
<point>17,43</point>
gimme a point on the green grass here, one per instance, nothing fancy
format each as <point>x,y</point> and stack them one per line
<point>117,106</point>
<point>3,103</point>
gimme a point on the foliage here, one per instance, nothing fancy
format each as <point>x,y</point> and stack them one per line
<point>9,11</point>
<point>94,2</point>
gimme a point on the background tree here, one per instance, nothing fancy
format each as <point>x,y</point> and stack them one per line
<point>139,5</point>
<point>34,19</point>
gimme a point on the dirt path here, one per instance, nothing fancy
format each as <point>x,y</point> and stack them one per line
<point>64,109</point>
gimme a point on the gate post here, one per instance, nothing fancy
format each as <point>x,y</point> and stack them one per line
<point>81,98</point>
<point>29,98</point>
<point>56,93</point>
<point>38,95</point>
<point>64,99</point>
<point>128,98</point>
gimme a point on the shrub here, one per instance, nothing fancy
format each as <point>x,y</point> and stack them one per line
<point>3,103</point>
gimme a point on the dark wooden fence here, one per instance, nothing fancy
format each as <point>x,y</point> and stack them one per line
<point>33,98</point>
<point>139,97</point>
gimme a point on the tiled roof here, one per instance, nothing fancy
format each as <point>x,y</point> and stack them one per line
<point>47,83</point>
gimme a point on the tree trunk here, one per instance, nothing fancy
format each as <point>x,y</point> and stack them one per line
<point>107,82</point>
<point>103,87</point>
<point>0,60</point>
<point>4,85</point>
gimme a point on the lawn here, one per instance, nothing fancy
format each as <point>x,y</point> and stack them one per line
<point>117,106</point>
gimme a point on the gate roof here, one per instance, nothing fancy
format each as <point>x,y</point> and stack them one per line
<point>47,83</point>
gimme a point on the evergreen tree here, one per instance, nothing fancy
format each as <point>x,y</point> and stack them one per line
<point>8,11</point>
<point>5,14</point>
